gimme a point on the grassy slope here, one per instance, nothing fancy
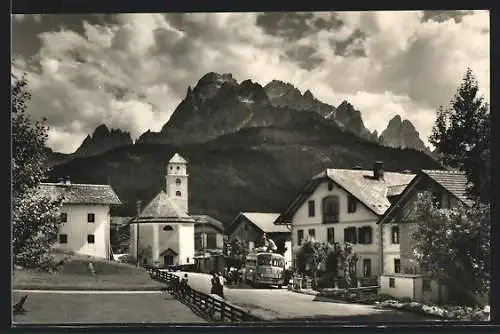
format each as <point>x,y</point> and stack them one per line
<point>74,274</point>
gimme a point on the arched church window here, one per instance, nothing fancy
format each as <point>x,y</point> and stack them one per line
<point>178,168</point>
<point>178,193</point>
<point>178,181</point>
<point>168,228</point>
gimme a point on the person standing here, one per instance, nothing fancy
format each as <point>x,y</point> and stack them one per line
<point>221,286</point>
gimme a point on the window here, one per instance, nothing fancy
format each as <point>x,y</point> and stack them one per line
<point>350,235</point>
<point>91,217</point>
<point>395,234</point>
<point>90,238</point>
<point>330,235</point>
<point>63,238</point>
<point>312,233</point>
<point>392,282</point>
<point>365,235</point>
<point>300,236</point>
<point>397,266</point>
<point>178,168</point>
<point>211,241</point>
<point>351,204</point>
<point>178,181</point>
<point>64,217</point>
<point>367,267</point>
<point>331,209</point>
<point>311,208</point>
<point>178,193</point>
<point>171,167</point>
<point>426,284</point>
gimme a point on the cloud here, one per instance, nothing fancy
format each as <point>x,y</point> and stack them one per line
<point>130,71</point>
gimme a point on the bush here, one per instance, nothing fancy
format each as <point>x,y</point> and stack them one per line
<point>128,259</point>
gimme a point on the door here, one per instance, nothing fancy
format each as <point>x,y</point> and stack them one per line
<point>168,259</point>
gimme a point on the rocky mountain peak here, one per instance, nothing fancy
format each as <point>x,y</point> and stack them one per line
<point>103,140</point>
<point>210,83</point>
<point>402,133</point>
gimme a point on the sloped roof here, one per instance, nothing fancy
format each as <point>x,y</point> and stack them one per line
<point>369,191</point>
<point>453,181</point>
<point>396,190</point>
<point>80,193</point>
<point>209,220</point>
<point>177,159</point>
<point>265,221</point>
<point>162,207</point>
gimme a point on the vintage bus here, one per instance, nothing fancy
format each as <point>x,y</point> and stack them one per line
<point>264,269</point>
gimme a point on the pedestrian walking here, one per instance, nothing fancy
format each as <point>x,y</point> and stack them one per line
<point>184,285</point>
<point>221,286</point>
<point>215,283</point>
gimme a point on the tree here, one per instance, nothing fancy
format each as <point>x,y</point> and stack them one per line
<point>35,218</point>
<point>314,253</point>
<point>238,249</point>
<point>453,246</point>
<point>462,135</point>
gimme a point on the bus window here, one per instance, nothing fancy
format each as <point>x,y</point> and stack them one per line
<point>264,260</point>
<point>278,262</point>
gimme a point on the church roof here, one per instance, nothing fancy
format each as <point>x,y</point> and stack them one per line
<point>177,159</point>
<point>163,208</point>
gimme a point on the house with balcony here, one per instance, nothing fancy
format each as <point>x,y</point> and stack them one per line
<point>344,205</point>
<point>401,276</point>
<point>85,216</point>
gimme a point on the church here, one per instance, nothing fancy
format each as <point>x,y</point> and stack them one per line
<point>164,232</point>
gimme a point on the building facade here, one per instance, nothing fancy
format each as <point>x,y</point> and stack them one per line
<point>85,217</point>
<point>251,227</point>
<point>163,234</point>
<point>344,206</point>
<point>402,276</point>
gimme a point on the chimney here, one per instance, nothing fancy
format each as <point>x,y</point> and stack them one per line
<point>60,180</point>
<point>67,181</point>
<point>358,167</point>
<point>378,170</point>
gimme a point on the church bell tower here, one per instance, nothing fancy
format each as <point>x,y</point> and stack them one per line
<point>177,181</point>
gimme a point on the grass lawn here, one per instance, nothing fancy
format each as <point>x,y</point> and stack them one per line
<point>84,308</point>
<point>75,274</point>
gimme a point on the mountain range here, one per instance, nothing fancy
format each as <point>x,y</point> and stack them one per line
<point>249,147</point>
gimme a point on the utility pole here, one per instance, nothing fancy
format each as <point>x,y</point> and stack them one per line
<point>138,204</point>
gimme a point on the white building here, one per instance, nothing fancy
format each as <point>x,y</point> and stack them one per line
<point>401,275</point>
<point>85,216</point>
<point>344,205</point>
<point>166,230</point>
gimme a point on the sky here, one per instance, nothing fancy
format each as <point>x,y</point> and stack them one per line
<point>130,71</point>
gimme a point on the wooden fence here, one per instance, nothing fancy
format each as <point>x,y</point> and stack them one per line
<point>209,306</point>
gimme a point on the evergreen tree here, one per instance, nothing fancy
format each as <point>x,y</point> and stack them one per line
<point>462,136</point>
<point>34,217</point>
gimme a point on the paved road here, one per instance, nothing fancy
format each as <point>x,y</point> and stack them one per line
<point>286,305</point>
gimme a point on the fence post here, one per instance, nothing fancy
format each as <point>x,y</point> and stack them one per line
<point>222,311</point>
